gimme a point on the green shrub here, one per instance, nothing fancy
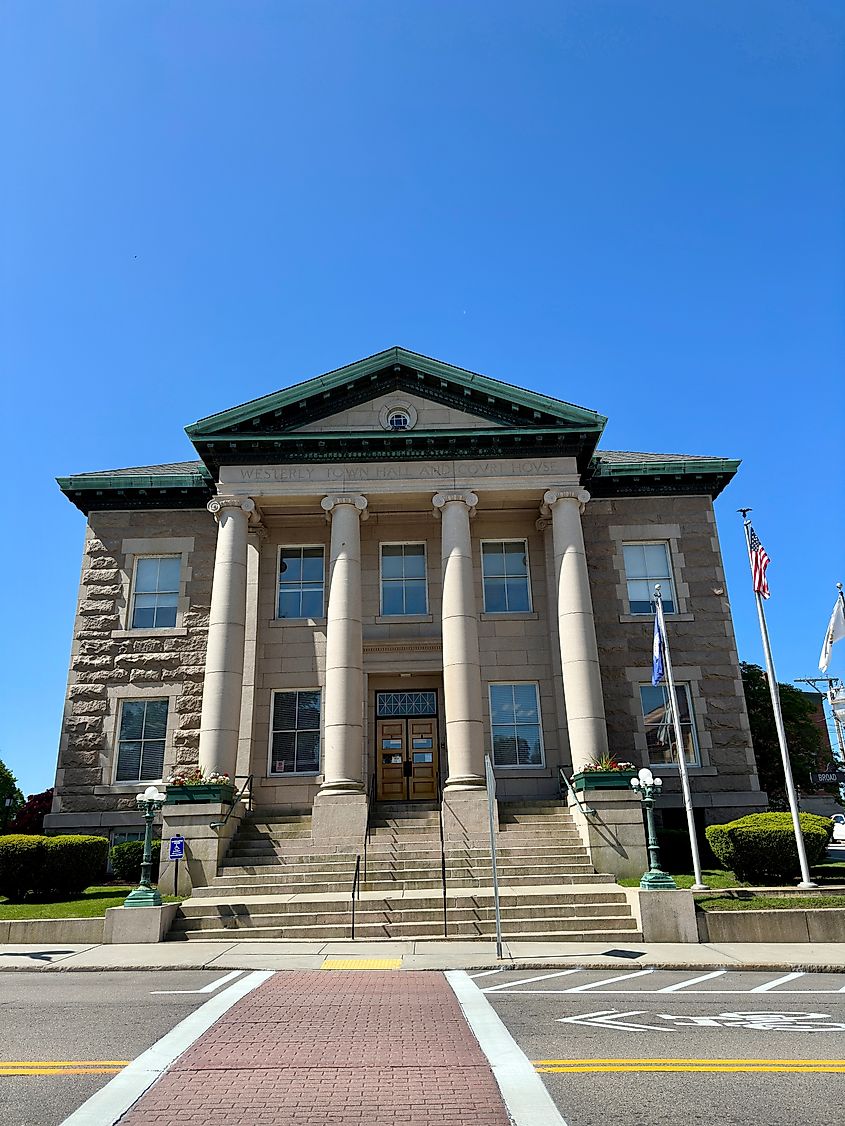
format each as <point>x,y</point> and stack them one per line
<point>126,860</point>
<point>21,863</point>
<point>45,867</point>
<point>761,848</point>
<point>73,863</point>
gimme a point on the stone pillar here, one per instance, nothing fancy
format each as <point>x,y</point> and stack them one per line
<point>224,661</point>
<point>576,627</point>
<point>466,814</point>
<point>340,808</point>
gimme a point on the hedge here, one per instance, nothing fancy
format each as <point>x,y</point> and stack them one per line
<point>50,867</point>
<point>126,860</point>
<point>761,848</point>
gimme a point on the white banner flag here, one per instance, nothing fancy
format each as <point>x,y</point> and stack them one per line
<point>835,632</point>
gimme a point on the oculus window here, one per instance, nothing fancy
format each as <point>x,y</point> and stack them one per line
<point>155,594</point>
<point>645,565</point>
<point>515,724</point>
<point>403,582</point>
<point>140,747</point>
<point>301,582</point>
<point>504,569</point>
<point>659,729</point>
<point>295,735</point>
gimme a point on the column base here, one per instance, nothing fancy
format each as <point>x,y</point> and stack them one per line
<point>341,786</point>
<point>465,815</point>
<point>339,820</point>
<point>457,782</point>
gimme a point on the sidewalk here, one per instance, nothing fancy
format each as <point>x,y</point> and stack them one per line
<point>346,1048</point>
<point>428,955</point>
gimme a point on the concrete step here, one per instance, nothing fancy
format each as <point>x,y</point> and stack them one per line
<point>380,863</point>
<point>260,885</point>
<point>552,930</point>
<point>397,923</point>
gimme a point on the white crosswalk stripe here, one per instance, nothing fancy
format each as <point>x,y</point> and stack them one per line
<point>769,985</point>
<point>691,981</point>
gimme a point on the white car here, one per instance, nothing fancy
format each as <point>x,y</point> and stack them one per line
<point>838,820</point>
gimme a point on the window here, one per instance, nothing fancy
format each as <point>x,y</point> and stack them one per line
<point>155,598</point>
<point>295,736</point>
<point>399,420</point>
<point>301,582</point>
<point>403,586</point>
<point>645,565</point>
<point>504,567</point>
<point>515,724</point>
<point>140,751</point>
<point>659,729</point>
<point>406,703</point>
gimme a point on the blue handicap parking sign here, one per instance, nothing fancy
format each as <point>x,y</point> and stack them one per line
<point>177,848</point>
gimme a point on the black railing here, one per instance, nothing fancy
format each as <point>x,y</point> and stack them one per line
<point>371,798</point>
<point>356,890</point>
<point>442,851</point>
<point>246,788</point>
<point>565,787</point>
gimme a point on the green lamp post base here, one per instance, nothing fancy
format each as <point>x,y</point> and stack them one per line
<point>143,897</point>
<point>658,881</point>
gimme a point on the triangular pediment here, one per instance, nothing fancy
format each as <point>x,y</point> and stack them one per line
<point>450,407</point>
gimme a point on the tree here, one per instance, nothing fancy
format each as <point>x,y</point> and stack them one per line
<point>802,736</point>
<point>8,790</point>
<point>30,817</point>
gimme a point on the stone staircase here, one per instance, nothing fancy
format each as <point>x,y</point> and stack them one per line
<point>274,885</point>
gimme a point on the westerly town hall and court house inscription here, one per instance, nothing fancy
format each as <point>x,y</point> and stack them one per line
<point>369,581</point>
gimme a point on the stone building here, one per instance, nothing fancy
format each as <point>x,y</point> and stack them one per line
<point>370,580</point>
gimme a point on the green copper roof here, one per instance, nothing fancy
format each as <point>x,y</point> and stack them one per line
<point>350,374</point>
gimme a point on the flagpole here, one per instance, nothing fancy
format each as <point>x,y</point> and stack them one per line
<point>806,882</point>
<point>699,884</point>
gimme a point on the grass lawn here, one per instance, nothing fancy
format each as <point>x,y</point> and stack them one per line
<point>714,878</point>
<point>768,902</point>
<point>93,901</point>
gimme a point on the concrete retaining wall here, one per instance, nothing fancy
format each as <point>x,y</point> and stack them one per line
<point>817,924</point>
<point>52,930</point>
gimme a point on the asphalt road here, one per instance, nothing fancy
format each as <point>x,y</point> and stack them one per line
<point>644,1048</point>
<point>76,1018</point>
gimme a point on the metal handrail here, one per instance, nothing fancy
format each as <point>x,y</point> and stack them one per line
<point>442,852</point>
<point>356,890</point>
<point>371,797</point>
<point>567,787</point>
<point>490,778</point>
<point>234,805</point>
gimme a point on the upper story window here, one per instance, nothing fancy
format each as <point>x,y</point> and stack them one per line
<point>155,592</point>
<point>301,582</point>
<point>295,735</point>
<point>403,579</point>
<point>140,747</point>
<point>659,727</point>
<point>515,724</point>
<point>645,565</point>
<point>504,569</point>
<point>399,420</point>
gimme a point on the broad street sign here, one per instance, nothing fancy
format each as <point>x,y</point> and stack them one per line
<point>828,778</point>
<point>177,848</point>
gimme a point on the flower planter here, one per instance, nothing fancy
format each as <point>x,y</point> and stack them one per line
<point>603,780</point>
<point>181,795</point>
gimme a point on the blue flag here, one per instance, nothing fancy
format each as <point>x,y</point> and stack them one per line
<point>657,652</point>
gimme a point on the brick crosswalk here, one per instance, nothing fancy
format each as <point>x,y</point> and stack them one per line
<point>343,1047</point>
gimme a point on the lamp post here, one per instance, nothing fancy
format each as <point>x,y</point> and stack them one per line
<point>145,895</point>
<point>647,787</point>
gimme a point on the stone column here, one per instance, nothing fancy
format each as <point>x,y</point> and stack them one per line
<point>576,627</point>
<point>340,809</point>
<point>224,661</point>
<point>465,813</point>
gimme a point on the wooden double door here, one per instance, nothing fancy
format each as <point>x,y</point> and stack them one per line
<point>406,758</point>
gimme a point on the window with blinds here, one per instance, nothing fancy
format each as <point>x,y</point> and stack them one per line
<point>295,734</point>
<point>141,739</point>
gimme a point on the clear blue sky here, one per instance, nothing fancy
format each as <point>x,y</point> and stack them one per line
<point>633,205</point>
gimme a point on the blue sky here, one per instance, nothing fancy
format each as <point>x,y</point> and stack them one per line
<point>633,205</point>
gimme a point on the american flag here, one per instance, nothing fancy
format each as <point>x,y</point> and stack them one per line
<point>759,563</point>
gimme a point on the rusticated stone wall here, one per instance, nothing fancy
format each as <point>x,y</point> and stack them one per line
<point>109,663</point>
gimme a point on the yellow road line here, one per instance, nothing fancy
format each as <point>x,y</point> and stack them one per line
<point>60,1071</point>
<point>794,1067</point>
<point>362,964</point>
<point>682,1059</point>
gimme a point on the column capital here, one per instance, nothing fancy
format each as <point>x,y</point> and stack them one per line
<point>330,502</point>
<point>220,503</point>
<point>552,496</point>
<point>464,496</point>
